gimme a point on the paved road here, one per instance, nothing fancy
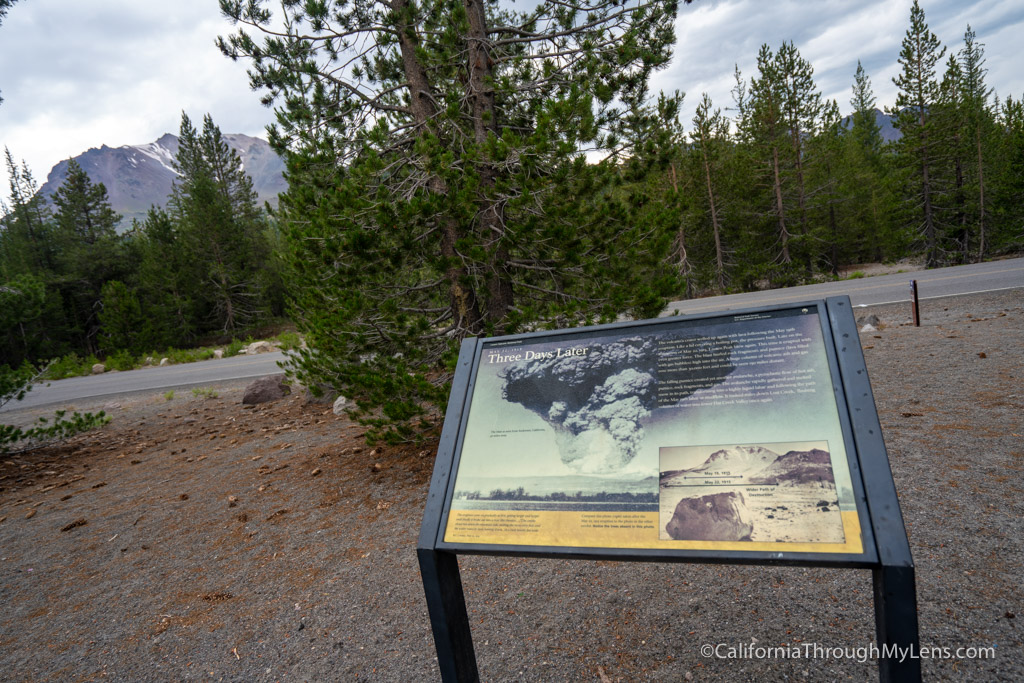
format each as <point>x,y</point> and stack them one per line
<point>942,282</point>
<point>67,391</point>
<point>882,289</point>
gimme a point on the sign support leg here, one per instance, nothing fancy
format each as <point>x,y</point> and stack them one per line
<point>449,620</point>
<point>896,624</point>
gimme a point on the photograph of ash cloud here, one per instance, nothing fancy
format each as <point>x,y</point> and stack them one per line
<point>589,402</point>
<point>775,492</point>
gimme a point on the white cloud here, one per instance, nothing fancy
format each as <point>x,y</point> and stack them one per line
<point>76,75</point>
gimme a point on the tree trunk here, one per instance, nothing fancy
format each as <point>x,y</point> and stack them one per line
<point>961,211</point>
<point>981,199</point>
<point>490,220</point>
<point>719,259</point>
<point>461,295</point>
<point>780,212</point>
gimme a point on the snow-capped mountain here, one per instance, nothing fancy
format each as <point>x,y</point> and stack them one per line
<point>759,465</point>
<point>140,176</point>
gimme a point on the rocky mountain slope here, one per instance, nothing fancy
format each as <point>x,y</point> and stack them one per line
<point>140,176</point>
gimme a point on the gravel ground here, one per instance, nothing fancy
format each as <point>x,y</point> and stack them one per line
<point>194,539</point>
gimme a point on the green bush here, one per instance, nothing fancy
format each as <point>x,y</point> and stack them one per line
<point>70,365</point>
<point>289,341</point>
<point>122,360</point>
<point>233,348</point>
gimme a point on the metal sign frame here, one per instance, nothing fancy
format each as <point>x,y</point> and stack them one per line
<point>886,550</point>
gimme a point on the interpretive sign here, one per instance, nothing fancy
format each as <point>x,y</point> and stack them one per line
<point>741,437</point>
<point>718,434</point>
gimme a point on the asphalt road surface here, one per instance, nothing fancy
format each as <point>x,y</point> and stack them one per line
<point>65,392</point>
<point>882,289</point>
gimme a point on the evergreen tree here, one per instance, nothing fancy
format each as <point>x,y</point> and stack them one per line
<point>869,233</point>
<point>22,304</point>
<point>802,107</point>
<point>979,134</point>
<point>166,278</point>
<point>124,327</point>
<point>220,227</point>
<point>89,252</point>
<point>710,140</point>
<point>918,93</point>
<point>863,124</point>
<point>1008,184</point>
<point>778,116</point>
<point>762,130</point>
<point>438,183</point>
<point>26,241</point>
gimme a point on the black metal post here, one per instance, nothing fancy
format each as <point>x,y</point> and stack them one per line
<point>895,592</point>
<point>896,624</point>
<point>442,584</point>
<point>915,304</point>
<point>449,620</point>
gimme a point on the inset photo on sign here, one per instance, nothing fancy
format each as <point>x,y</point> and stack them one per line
<point>782,492</point>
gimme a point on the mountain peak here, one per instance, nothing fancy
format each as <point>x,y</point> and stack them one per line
<point>138,177</point>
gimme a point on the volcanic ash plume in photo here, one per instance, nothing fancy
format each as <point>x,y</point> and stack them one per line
<point>597,403</point>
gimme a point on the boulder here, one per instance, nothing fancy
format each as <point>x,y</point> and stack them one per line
<point>869,328</point>
<point>99,369</point>
<point>259,347</point>
<point>872,320</point>
<point>326,395</point>
<point>717,517</point>
<point>339,405</point>
<point>265,389</point>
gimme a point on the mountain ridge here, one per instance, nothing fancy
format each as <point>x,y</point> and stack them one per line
<point>138,177</point>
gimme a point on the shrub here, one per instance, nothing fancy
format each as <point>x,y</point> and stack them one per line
<point>289,341</point>
<point>122,360</point>
<point>70,365</point>
<point>233,348</point>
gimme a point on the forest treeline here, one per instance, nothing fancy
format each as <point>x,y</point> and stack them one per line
<point>463,169</point>
<point>74,283</point>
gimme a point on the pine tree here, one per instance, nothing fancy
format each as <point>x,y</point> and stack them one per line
<point>869,233</point>
<point>1008,183</point>
<point>780,113</point>
<point>438,183</point>
<point>979,131</point>
<point>763,131</point>
<point>89,251</point>
<point>709,138</point>
<point>918,93</point>
<point>864,124</point>
<point>220,227</point>
<point>166,280</point>
<point>124,327</point>
<point>26,240</point>
<point>802,107</point>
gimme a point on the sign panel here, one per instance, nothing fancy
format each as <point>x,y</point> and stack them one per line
<point>717,434</point>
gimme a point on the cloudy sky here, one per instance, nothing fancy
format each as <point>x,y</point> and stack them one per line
<point>76,75</point>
